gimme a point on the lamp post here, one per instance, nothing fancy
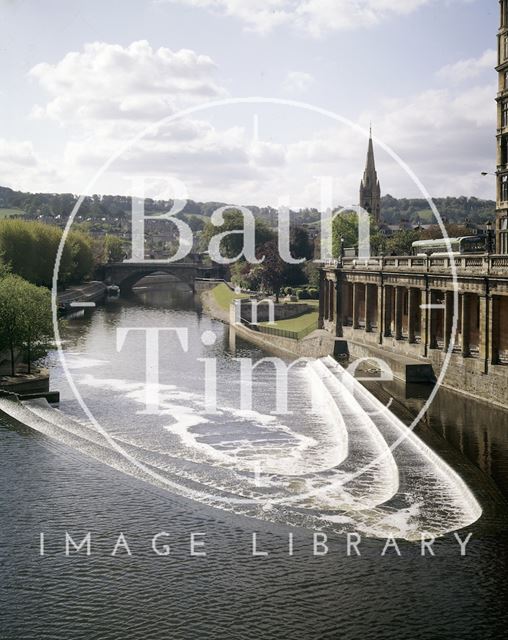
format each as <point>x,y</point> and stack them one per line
<point>490,236</point>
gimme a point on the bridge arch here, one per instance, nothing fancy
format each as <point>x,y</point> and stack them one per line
<point>127,283</point>
<point>125,275</point>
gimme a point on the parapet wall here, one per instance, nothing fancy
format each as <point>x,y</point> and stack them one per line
<point>282,311</point>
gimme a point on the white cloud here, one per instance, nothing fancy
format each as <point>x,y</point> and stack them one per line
<point>468,69</point>
<point>22,168</point>
<point>312,16</point>
<point>297,82</point>
<point>107,93</point>
<point>108,82</point>
<point>19,153</point>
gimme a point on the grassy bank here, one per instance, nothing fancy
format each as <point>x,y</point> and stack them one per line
<point>218,300</point>
<point>294,328</point>
<point>223,296</point>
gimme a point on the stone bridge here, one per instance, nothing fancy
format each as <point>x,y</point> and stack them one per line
<point>126,274</point>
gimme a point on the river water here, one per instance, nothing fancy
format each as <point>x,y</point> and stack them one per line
<point>222,474</point>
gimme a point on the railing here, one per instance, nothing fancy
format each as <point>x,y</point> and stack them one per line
<point>484,264</point>
<point>282,333</point>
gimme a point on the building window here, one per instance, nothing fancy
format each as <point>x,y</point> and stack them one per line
<point>504,116</point>
<point>505,85</point>
<point>506,47</point>
<point>504,189</point>
<point>503,148</point>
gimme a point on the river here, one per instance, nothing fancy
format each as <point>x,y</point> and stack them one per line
<point>210,480</point>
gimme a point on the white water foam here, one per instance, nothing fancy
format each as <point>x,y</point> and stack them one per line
<point>335,472</point>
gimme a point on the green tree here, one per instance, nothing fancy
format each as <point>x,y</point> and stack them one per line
<point>311,271</point>
<point>113,249</point>
<point>400,243</point>
<point>232,245</point>
<point>345,231</point>
<point>272,269</point>
<point>30,248</point>
<point>80,248</point>
<point>345,228</point>
<point>37,326</point>
<point>25,319</point>
<point>299,241</point>
<point>4,267</point>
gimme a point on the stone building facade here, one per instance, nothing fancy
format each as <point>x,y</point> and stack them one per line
<point>413,308</point>
<point>502,132</point>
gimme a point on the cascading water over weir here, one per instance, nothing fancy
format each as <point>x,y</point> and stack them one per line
<point>355,467</point>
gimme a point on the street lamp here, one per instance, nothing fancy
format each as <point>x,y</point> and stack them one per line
<point>490,233</point>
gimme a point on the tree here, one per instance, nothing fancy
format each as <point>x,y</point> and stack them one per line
<point>272,269</point>
<point>301,246</point>
<point>4,267</point>
<point>25,318</point>
<point>37,326</point>
<point>434,232</point>
<point>311,271</point>
<point>345,231</point>
<point>30,248</point>
<point>400,244</point>
<point>81,253</point>
<point>232,245</point>
<point>344,228</point>
<point>113,249</point>
<point>246,275</point>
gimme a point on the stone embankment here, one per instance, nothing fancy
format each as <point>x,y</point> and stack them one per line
<point>317,344</point>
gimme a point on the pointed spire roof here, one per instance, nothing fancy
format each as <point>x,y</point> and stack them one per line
<point>370,165</point>
<point>370,189</point>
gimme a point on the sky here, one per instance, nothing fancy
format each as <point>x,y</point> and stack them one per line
<point>104,96</point>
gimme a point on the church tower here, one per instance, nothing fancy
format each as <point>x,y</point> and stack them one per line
<point>502,133</point>
<point>370,190</point>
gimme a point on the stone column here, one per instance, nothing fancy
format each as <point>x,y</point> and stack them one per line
<point>356,305</point>
<point>387,310</point>
<point>339,307</point>
<point>381,312</point>
<point>322,282</point>
<point>466,324</point>
<point>412,315</point>
<point>433,321</point>
<point>368,300</point>
<point>331,300</point>
<point>425,323</point>
<point>494,328</point>
<point>448,318</point>
<point>399,302</point>
<point>485,338</point>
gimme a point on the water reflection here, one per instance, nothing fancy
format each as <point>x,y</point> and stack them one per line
<point>476,429</point>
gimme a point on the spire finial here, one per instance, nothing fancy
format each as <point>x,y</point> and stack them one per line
<point>370,129</point>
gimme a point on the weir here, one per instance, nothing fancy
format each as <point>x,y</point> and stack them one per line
<point>340,474</point>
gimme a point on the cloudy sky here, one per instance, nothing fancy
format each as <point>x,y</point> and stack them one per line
<point>87,82</point>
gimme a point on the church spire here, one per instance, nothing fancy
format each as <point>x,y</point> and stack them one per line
<point>370,189</point>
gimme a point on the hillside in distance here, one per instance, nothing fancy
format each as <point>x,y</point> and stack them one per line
<point>58,206</point>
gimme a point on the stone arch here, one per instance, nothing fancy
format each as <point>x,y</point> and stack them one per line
<point>130,278</point>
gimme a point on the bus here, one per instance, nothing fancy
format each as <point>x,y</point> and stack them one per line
<point>456,246</point>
